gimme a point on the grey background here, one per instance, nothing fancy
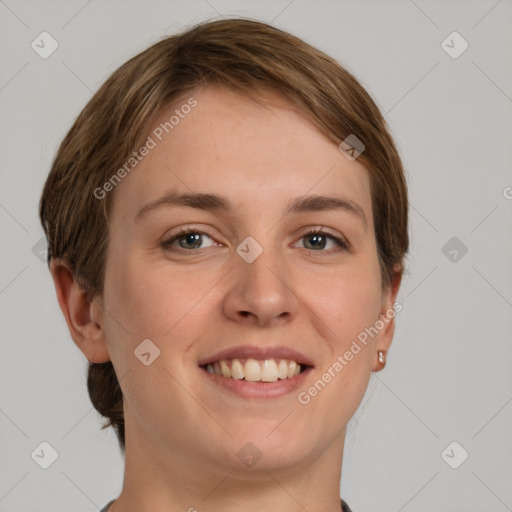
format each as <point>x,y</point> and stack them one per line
<point>448,376</point>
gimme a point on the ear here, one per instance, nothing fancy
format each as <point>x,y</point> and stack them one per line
<point>387,315</point>
<point>83,316</point>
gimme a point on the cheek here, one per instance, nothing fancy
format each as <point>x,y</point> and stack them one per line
<point>349,303</point>
<point>156,302</point>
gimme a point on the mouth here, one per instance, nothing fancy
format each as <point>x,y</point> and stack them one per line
<point>256,370</point>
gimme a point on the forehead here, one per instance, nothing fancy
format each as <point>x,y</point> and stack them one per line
<point>227,144</point>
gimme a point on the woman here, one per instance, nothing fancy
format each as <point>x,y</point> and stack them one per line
<point>226,225</point>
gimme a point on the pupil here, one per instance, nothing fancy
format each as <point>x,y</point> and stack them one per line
<point>191,238</point>
<point>316,237</point>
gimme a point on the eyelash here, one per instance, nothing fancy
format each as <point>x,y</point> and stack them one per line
<point>166,244</point>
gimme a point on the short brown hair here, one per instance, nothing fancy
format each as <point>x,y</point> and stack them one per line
<point>245,56</point>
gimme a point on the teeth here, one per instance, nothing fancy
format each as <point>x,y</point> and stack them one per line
<point>268,370</point>
<point>226,372</point>
<point>252,370</point>
<point>293,369</point>
<point>282,369</point>
<point>237,369</point>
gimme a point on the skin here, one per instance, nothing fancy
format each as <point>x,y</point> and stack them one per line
<point>183,433</point>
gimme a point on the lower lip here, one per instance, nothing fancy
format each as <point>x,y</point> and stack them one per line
<point>247,389</point>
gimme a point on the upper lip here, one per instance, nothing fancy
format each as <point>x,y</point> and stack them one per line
<point>258,352</point>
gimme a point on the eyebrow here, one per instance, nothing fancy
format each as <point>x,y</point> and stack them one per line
<point>212,202</point>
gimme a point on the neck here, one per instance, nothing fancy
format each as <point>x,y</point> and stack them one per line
<point>166,481</point>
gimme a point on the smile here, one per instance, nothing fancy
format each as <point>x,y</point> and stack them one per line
<point>234,376</point>
<point>254,370</point>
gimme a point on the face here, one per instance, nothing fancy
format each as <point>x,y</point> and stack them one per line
<point>254,275</point>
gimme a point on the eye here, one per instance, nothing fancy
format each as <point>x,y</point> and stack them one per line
<point>317,239</point>
<point>190,239</point>
<point>187,239</point>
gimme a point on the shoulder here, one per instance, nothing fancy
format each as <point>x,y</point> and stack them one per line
<point>345,507</point>
<point>105,508</point>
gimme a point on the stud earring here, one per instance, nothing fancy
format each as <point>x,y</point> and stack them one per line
<point>382,357</point>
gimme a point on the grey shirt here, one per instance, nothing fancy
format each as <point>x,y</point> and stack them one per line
<point>104,509</point>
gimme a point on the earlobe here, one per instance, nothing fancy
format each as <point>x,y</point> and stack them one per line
<point>82,315</point>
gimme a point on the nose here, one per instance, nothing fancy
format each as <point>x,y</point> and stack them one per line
<point>261,292</point>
